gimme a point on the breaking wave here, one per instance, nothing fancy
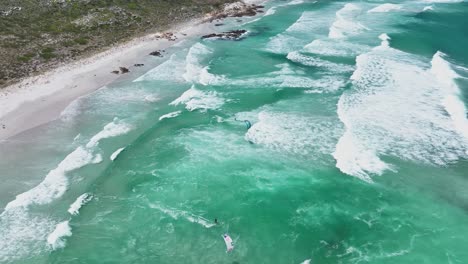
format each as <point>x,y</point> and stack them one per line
<point>383,8</point>
<point>170,115</point>
<point>384,113</point>
<point>79,202</point>
<point>194,71</point>
<point>21,229</point>
<point>345,24</point>
<point>56,239</point>
<point>319,63</point>
<point>194,99</point>
<point>296,134</point>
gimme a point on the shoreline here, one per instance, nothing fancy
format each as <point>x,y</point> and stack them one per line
<point>37,100</point>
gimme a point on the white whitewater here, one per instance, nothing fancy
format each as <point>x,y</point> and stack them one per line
<point>456,108</point>
<point>56,239</point>
<point>383,8</point>
<point>113,129</point>
<point>383,100</point>
<point>346,23</point>
<point>195,72</point>
<point>79,202</point>
<point>170,115</point>
<point>291,133</point>
<point>55,183</point>
<point>22,230</point>
<point>195,99</point>
<point>116,153</point>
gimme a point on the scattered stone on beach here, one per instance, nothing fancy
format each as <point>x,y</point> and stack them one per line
<point>124,70</point>
<point>168,36</point>
<point>115,72</point>
<point>156,53</point>
<point>219,24</point>
<point>138,65</point>
<point>229,35</point>
<point>237,9</point>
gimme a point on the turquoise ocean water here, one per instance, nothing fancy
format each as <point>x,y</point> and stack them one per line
<point>357,151</point>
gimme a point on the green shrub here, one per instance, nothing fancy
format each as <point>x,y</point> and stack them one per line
<point>81,40</point>
<point>25,58</point>
<point>68,43</point>
<point>132,5</point>
<point>47,55</point>
<point>48,50</point>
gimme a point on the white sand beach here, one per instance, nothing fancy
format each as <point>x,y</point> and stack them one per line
<point>40,99</point>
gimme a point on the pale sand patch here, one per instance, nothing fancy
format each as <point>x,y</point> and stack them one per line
<point>41,99</point>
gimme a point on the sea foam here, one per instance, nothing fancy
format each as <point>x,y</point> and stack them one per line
<point>113,129</point>
<point>456,108</point>
<point>319,63</point>
<point>297,35</point>
<point>195,72</point>
<point>385,115</point>
<point>287,77</point>
<point>56,183</point>
<point>79,202</point>
<point>116,154</point>
<point>56,239</point>
<point>170,70</point>
<point>383,8</point>
<point>428,8</point>
<point>345,24</point>
<point>293,133</point>
<point>335,47</point>
<point>195,99</point>
<point>170,115</point>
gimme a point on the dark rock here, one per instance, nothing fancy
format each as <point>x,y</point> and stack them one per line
<point>124,70</point>
<point>156,53</point>
<point>229,35</point>
<point>115,72</point>
<point>212,35</point>
<point>138,65</point>
<point>219,24</point>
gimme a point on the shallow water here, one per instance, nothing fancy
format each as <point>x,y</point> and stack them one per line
<point>357,151</point>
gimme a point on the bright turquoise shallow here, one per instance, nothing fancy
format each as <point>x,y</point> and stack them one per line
<point>357,151</point>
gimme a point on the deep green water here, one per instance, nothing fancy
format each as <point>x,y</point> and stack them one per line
<point>357,151</point>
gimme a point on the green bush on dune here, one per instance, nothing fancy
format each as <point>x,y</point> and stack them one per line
<point>70,29</point>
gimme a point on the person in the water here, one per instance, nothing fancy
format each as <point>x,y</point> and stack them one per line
<point>216,220</point>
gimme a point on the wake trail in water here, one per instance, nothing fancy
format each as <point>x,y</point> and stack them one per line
<point>176,214</point>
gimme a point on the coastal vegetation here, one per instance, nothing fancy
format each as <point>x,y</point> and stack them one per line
<point>36,35</point>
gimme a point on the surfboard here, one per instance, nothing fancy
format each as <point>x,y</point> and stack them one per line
<point>229,243</point>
